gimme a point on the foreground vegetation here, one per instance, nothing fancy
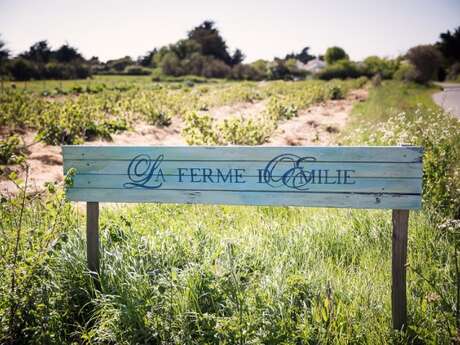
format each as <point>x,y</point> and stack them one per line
<point>242,275</point>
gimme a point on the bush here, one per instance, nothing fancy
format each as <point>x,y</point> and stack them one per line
<point>215,69</point>
<point>335,54</point>
<point>22,69</point>
<point>454,72</point>
<point>136,70</point>
<point>199,129</point>
<point>278,109</point>
<point>340,70</point>
<point>11,150</point>
<point>244,131</point>
<point>245,72</point>
<point>374,65</point>
<point>405,72</point>
<point>426,60</point>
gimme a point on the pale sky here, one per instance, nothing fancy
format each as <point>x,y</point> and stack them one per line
<point>261,29</point>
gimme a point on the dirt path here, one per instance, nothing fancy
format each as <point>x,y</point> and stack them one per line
<point>317,125</point>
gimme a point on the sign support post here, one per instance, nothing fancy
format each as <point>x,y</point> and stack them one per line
<point>400,220</point>
<point>92,241</point>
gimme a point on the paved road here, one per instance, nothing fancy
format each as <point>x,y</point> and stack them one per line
<point>449,98</point>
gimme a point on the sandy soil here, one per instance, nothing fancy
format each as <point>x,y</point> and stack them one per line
<point>316,125</point>
<point>239,109</point>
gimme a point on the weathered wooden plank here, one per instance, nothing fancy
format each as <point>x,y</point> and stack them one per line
<point>343,153</point>
<point>251,168</point>
<point>310,199</point>
<point>373,177</point>
<point>213,182</point>
<point>399,260</point>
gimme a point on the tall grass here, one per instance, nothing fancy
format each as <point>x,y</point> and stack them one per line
<point>217,274</point>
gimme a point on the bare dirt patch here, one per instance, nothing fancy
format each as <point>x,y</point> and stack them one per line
<point>250,109</point>
<point>45,161</point>
<point>317,125</point>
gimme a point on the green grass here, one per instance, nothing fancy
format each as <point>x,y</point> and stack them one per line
<point>230,275</point>
<point>391,97</point>
<point>42,85</point>
<point>241,275</point>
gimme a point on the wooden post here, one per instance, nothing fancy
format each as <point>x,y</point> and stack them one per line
<point>398,270</point>
<point>92,240</point>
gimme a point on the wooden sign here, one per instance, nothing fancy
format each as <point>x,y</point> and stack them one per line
<point>352,177</point>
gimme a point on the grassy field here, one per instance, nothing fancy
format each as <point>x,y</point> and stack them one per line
<point>243,275</point>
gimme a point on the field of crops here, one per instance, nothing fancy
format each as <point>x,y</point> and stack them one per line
<point>183,274</point>
<point>84,110</point>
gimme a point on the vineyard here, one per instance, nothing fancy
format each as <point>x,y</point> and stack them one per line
<point>85,112</point>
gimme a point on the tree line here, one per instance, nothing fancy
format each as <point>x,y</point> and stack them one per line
<point>205,53</point>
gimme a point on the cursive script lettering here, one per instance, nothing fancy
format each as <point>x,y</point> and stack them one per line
<point>144,172</point>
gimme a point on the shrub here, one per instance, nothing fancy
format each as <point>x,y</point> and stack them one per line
<point>335,54</point>
<point>22,69</point>
<point>157,114</point>
<point>374,65</point>
<point>215,69</point>
<point>244,131</point>
<point>405,72</point>
<point>454,72</point>
<point>278,109</point>
<point>340,70</point>
<point>199,129</point>
<point>245,72</point>
<point>136,70</point>
<point>11,150</point>
<point>427,60</point>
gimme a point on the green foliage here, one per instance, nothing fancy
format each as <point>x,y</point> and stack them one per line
<point>199,129</point>
<point>341,69</point>
<point>449,46</point>
<point>136,70</point>
<point>426,60</point>
<point>279,109</point>
<point>386,68</point>
<point>335,54</point>
<point>11,150</point>
<point>210,274</point>
<point>407,121</point>
<point>244,131</point>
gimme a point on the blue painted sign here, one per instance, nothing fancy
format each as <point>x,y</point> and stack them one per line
<point>360,177</point>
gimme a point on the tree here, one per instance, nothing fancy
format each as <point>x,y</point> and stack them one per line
<point>23,69</point>
<point>148,59</point>
<point>210,41</point>
<point>4,52</point>
<point>427,60</point>
<point>66,53</point>
<point>39,52</point>
<point>449,46</point>
<point>4,55</point>
<point>303,56</point>
<point>334,54</point>
<point>237,57</point>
